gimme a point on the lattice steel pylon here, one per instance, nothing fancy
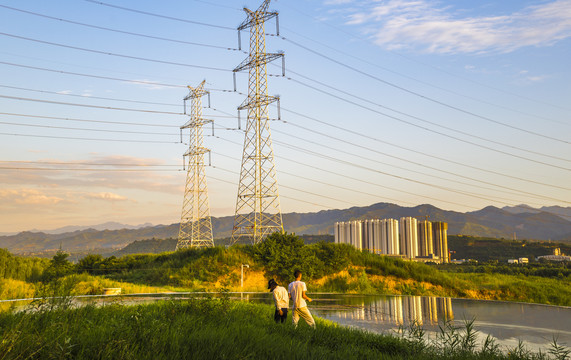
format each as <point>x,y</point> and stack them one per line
<point>258,211</point>
<point>195,223</point>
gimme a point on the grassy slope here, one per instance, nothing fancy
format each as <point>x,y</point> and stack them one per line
<point>217,268</point>
<point>207,329</point>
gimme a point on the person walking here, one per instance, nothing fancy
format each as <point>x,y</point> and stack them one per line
<point>297,294</point>
<point>281,300</point>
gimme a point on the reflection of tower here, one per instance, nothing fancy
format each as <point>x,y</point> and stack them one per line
<point>413,307</point>
<point>395,309</point>
<point>258,211</point>
<point>195,223</point>
<point>429,309</point>
<point>445,308</point>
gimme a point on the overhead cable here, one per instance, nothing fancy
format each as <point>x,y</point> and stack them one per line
<point>453,107</point>
<point>120,31</point>
<point>114,54</point>
<point>422,120</point>
<point>161,16</point>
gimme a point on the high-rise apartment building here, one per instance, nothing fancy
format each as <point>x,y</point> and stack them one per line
<point>412,239</point>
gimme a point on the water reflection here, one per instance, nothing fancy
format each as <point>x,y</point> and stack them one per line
<point>402,310</point>
<point>507,322</point>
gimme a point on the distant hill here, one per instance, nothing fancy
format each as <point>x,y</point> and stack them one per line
<point>110,225</point>
<point>488,222</point>
<point>564,212</point>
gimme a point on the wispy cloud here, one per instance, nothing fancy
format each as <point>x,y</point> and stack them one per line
<point>106,196</point>
<point>148,84</point>
<point>28,197</point>
<point>428,26</point>
<point>147,180</point>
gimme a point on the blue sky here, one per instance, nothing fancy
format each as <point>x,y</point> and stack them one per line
<point>459,104</point>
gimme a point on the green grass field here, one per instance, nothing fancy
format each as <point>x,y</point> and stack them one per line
<point>220,329</point>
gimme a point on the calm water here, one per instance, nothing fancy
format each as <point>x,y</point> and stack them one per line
<point>507,322</point>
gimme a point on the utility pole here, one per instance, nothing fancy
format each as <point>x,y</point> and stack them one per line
<point>258,211</point>
<point>195,223</point>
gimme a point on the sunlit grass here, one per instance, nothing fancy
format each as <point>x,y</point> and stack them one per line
<point>219,329</point>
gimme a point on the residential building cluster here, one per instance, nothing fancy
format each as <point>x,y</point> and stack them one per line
<point>408,237</point>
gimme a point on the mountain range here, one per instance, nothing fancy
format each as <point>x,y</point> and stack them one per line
<point>520,222</point>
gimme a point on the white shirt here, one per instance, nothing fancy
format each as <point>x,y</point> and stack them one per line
<point>281,299</point>
<point>296,290</point>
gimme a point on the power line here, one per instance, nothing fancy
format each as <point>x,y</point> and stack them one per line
<point>283,196</point>
<point>91,139</point>
<point>104,98</point>
<point>89,106</point>
<point>161,16</point>
<point>143,82</point>
<point>84,163</point>
<point>84,120</point>
<point>83,169</point>
<point>405,148</point>
<point>352,68</point>
<point>426,166</point>
<point>503,188</point>
<point>83,129</point>
<point>120,31</point>
<point>115,54</point>
<point>337,49</point>
<point>425,174</point>
<point>398,176</point>
<point>420,119</point>
<point>378,171</point>
<point>89,96</point>
<point>320,21</point>
<point>396,118</point>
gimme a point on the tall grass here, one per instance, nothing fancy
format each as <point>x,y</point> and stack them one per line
<point>217,329</point>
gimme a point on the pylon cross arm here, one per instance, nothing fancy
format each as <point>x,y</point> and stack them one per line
<point>263,100</point>
<point>256,61</point>
<point>256,17</point>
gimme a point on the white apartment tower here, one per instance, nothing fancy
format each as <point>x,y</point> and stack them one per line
<point>408,237</point>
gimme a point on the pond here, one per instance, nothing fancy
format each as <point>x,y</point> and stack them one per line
<point>508,322</point>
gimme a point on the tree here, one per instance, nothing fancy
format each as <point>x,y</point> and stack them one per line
<point>281,253</point>
<point>59,266</point>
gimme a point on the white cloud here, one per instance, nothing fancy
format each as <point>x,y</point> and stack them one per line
<point>428,26</point>
<point>27,197</point>
<point>337,2</point>
<point>148,84</point>
<point>107,196</point>
<point>147,180</point>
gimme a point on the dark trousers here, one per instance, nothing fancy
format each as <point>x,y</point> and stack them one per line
<point>280,318</point>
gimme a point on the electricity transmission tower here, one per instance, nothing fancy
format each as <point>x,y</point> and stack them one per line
<point>195,223</point>
<point>258,211</point>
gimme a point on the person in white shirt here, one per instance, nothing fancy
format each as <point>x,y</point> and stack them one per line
<point>281,300</point>
<point>297,294</point>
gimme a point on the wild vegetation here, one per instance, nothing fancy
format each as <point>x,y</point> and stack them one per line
<point>485,249</point>
<point>222,329</point>
<point>327,267</point>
